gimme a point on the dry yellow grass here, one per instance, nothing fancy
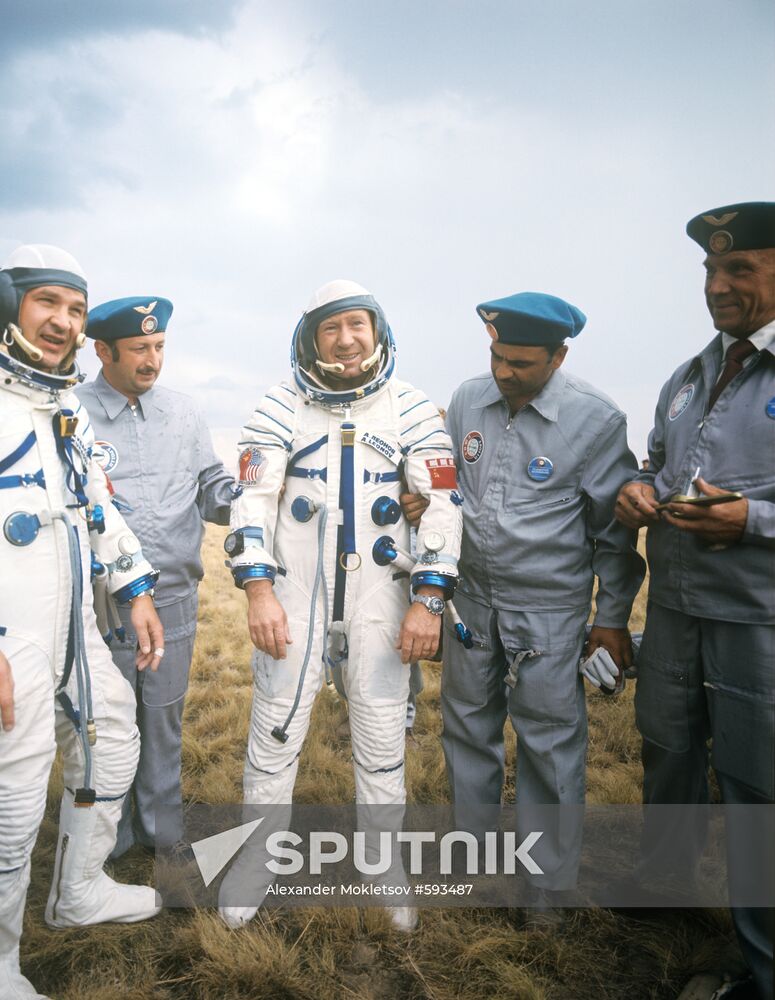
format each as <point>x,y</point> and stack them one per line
<point>315,954</point>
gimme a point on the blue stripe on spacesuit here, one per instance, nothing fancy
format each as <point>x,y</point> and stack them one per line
<point>18,453</point>
<point>347,487</point>
<point>281,403</point>
<point>339,579</point>
<point>415,405</point>
<point>275,420</point>
<point>345,533</point>
<point>439,430</point>
<point>262,430</point>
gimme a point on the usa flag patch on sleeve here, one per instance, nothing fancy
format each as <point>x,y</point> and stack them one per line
<point>251,466</point>
<point>443,475</point>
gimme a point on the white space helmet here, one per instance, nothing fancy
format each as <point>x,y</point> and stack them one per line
<point>310,373</point>
<point>31,266</point>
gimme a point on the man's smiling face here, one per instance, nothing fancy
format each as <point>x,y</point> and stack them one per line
<point>346,338</point>
<point>51,317</point>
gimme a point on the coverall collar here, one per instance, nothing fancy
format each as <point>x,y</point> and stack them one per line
<point>114,401</point>
<point>547,402</point>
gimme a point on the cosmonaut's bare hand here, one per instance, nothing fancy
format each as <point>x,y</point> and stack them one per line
<point>267,620</point>
<point>413,505</point>
<point>419,635</point>
<point>6,695</point>
<point>721,524</point>
<point>636,505</point>
<point>149,632</point>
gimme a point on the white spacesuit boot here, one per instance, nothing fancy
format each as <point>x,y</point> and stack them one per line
<point>248,876</point>
<point>13,892</point>
<point>82,893</point>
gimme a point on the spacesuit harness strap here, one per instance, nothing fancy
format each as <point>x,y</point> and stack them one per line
<point>293,469</point>
<point>345,532</point>
<point>26,479</point>
<point>64,424</point>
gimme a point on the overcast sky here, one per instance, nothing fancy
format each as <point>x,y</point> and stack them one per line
<point>235,156</point>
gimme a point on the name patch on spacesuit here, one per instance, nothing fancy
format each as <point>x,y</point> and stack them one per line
<point>391,453</point>
<point>105,455</point>
<point>443,475</point>
<point>252,464</point>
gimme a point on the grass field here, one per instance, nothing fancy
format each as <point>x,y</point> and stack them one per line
<point>315,953</point>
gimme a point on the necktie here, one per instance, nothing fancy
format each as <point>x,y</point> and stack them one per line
<point>733,365</point>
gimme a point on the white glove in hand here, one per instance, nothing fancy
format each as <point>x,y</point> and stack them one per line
<point>600,670</point>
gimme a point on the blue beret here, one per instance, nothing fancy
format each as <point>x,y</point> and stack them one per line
<point>532,319</point>
<point>747,226</point>
<point>132,317</point>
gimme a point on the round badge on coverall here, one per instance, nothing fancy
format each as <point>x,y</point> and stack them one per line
<point>473,446</point>
<point>540,468</point>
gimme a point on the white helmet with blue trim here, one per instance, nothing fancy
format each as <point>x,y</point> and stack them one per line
<point>315,379</point>
<point>31,266</point>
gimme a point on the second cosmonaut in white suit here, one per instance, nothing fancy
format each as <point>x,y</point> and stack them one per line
<point>321,465</point>
<point>58,685</point>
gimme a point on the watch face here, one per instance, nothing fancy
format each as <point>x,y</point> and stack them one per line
<point>436,606</point>
<point>230,543</point>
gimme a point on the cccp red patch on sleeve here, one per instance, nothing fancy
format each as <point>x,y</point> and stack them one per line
<point>443,475</point>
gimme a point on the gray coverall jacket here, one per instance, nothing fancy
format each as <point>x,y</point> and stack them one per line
<point>734,448</point>
<point>539,492</point>
<point>160,459</point>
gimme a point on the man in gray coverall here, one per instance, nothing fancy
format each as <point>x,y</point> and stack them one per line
<point>541,456</point>
<point>705,667</point>
<point>156,450</point>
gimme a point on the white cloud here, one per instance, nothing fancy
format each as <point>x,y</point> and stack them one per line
<point>236,172</point>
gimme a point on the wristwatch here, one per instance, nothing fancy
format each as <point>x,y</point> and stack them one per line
<point>434,604</point>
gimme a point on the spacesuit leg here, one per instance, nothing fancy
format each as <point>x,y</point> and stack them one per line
<point>81,892</point>
<point>377,688</point>
<point>26,754</point>
<point>271,765</point>
<point>160,702</point>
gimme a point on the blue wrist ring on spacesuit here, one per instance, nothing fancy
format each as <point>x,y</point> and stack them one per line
<point>137,587</point>
<point>256,572</point>
<point>426,579</point>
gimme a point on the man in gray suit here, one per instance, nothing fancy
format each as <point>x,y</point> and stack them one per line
<point>156,450</point>
<point>705,667</point>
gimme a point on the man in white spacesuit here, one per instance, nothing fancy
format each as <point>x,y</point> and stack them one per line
<point>321,465</point>
<point>58,684</point>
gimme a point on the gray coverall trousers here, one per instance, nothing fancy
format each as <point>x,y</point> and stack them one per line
<point>160,697</point>
<point>700,678</point>
<point>538,653</point>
